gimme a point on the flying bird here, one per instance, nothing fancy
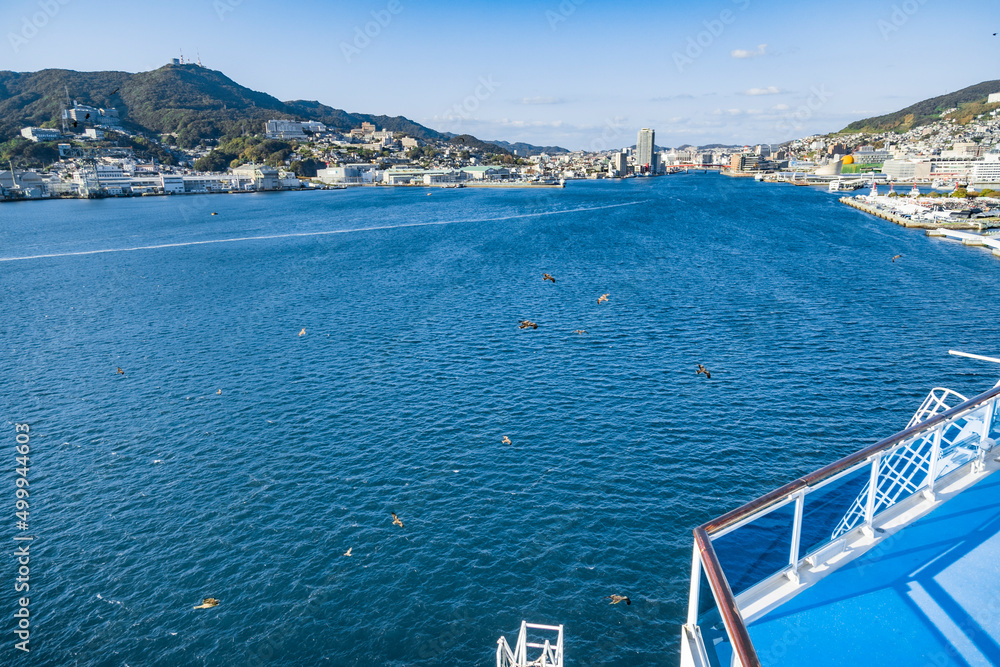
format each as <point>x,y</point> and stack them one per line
<point>615,599</point>
<point>702,369</point>
<point>396,521</point>
<point>114,91</point>
<point>601,299</point>
<point>348,551</point>
<point>895,257</point>
<point>303,332</point>
<point>120,371</point>
<point>546,276</point>
<point>219,392</point>
<point>526,324</point>
<point>207,603</point>
<point>580,331</point>
<point>214,213</point>
<point>505,440</point>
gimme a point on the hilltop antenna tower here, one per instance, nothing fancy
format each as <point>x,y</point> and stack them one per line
<point>199,58</point>
<point>65,113</point>
<point>182,56</point>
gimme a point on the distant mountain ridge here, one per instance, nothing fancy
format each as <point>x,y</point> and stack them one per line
<point>528,149</point>
<point>192,101</point>
<point>925,111</point>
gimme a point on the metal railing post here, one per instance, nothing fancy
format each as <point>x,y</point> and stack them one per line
<point>693,596</point>
<point>935,460</point>
<point>872,492</point>
<point>991,407</point>
<point>793,556</point>
<point>984,437</point>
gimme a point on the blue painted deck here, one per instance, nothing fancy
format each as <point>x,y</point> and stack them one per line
<point>928,595</point>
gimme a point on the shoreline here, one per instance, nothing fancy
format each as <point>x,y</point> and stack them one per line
<point>439,186</point>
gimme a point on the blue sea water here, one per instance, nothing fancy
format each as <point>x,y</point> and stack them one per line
<point>151,491</point>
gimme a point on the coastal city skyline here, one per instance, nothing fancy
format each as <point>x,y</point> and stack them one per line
<point>549,73</point>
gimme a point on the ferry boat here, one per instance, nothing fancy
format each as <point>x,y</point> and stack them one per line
<point>886,557</point>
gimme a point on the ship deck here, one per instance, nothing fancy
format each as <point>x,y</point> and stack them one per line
<point>928,595</point>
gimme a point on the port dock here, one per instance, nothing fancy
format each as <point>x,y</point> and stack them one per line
<point>991,243</point>
<point>978,224</point>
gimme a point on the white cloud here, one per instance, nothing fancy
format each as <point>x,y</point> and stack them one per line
<point>505,122</point>
<point>541,100</point>
<point>743,53</point>
<point>780,107</point>
<point>770,90</point>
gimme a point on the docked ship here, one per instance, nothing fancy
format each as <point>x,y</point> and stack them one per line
<point>888,556</point>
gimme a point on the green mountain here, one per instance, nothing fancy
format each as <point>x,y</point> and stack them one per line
<point>192,101</point>
<point>926,111</point>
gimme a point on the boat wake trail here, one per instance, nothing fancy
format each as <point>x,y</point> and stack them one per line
<point>320,233</point>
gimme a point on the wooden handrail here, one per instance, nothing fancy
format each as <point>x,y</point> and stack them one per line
<point>736,629</point>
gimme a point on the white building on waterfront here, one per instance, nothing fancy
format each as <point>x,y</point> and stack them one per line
<point>349,174</point>
<point>906,170</point>
<point>986,172</point>
<point>260,177</point>
<point>485,173</point>
<point>618,166</point>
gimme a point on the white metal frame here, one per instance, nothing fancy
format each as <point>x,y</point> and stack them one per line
<point>550,655</point>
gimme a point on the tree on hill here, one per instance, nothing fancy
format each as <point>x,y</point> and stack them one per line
<point>28,154</point>
<point>306,168</point>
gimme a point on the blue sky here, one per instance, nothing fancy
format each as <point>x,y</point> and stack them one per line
<point>577,73</point>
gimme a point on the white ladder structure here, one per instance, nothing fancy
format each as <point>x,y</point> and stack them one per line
<point>551,655</point>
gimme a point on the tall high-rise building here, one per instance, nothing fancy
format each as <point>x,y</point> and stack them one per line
<point>645,157</point>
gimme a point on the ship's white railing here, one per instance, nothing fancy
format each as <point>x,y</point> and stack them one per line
<point>903,471</point>
<point>947,439</point>
<point>549,655</point>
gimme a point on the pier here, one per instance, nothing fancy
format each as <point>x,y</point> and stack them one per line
<point>990,243</point>
<point>977,225</point>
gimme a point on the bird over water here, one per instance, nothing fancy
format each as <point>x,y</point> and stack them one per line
<point>207,603</point>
